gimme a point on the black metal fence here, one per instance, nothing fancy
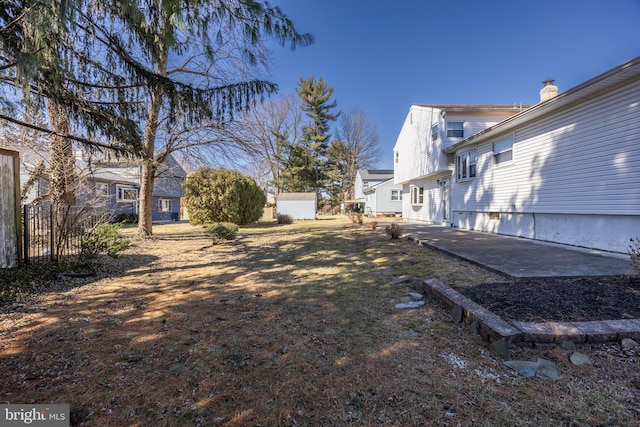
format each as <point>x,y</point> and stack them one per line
<point>54,232</point>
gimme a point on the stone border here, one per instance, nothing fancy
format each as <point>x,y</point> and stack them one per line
<point>494,328</point>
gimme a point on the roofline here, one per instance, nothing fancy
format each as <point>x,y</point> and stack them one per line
<point>462,108</point>
<point>619,76</point>
<point>369,189</point>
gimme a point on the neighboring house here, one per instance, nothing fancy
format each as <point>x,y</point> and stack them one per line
<point>110,183</point>
<point>380,194</point>
<point>297,205</point>
<point>366,178</point>
<point>566,170</point>
<point>421,167</point>
<point>376,192</point>
<point>116,185</point>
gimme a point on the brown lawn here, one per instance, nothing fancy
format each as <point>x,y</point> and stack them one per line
<point>288,326</point>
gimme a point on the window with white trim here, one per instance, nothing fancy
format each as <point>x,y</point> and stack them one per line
<point>466,165</point>
<point>455,129</point>
<point>503,150</point>
<point>434,132</point>
<point>396,195</point>
<point>165,205</point>
<point>126,193</point>
<point>397,156</point>
<point>417,195</point>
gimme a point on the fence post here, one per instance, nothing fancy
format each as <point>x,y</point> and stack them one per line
<point>52,226</point>
<point>26,241</point>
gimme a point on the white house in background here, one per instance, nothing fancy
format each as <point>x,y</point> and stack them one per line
<point>421,167</point>
<point>565,170</point>
<point>376,189</point>
<point>297,205</point>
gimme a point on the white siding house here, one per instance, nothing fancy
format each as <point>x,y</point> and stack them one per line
<point>376,189</point>
<point>297,205</point>
<point>566,170</point>
<point>422,168</point>
<point>366,178</point>
<point>384,198</point>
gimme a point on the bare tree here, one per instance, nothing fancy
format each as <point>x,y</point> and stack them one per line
<point>357,146</point>
<point>264,126</point>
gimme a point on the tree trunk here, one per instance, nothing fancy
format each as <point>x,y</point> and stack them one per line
<point>62,176</point>
<point>149,166</point>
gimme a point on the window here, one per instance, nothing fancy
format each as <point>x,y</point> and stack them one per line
<point>417,195</point>
<point>396,194</point>
<point>366,184</point>
<point>503,150</point>
<point>101,189</point>
<point>466,165</point>
<point>434,132</point>
<point>126,194</point>
<point>455,129</point>
<point>397,156</point>
<point>165,205</point>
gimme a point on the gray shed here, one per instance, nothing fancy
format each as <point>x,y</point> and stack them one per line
<point>297,205</point>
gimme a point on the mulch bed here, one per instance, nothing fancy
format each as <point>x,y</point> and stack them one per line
<point>579,299</point>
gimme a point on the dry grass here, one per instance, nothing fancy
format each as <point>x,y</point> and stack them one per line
<point>289,325</point>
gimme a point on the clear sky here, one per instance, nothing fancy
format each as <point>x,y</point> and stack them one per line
<point>383,56</point>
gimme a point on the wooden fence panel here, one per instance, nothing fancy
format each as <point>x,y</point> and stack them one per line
<point>10,236</point>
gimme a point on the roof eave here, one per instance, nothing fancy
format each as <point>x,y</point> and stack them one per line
<point>610,80</point>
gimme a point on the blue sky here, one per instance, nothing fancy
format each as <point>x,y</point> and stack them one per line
<point>383,56</point>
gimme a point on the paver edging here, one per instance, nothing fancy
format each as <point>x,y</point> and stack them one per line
<point>494,328</point>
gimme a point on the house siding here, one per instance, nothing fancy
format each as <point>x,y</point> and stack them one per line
<point>574,177</point>
<point>378,200</point>
<point>421,161</point>
<point>417,154</point>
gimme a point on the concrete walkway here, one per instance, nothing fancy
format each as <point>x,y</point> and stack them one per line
<point>522,259</point>
<point>517,257</point>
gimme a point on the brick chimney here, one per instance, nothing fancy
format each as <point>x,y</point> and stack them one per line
<point>548,91</point>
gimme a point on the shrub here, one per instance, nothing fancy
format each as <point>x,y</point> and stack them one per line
<point>374,225</point>
<point>356,217</point>
<point>634,254</point>
<point>105,239</point>
<point>222,231</point>
<point>337,210</point>
<point>125,218</point>
<point>221,195</point>
<point>285,219</point>
<point>393,230</point>
<point>327,210</point>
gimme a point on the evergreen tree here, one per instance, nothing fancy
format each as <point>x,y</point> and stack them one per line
<point>316,96</point>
